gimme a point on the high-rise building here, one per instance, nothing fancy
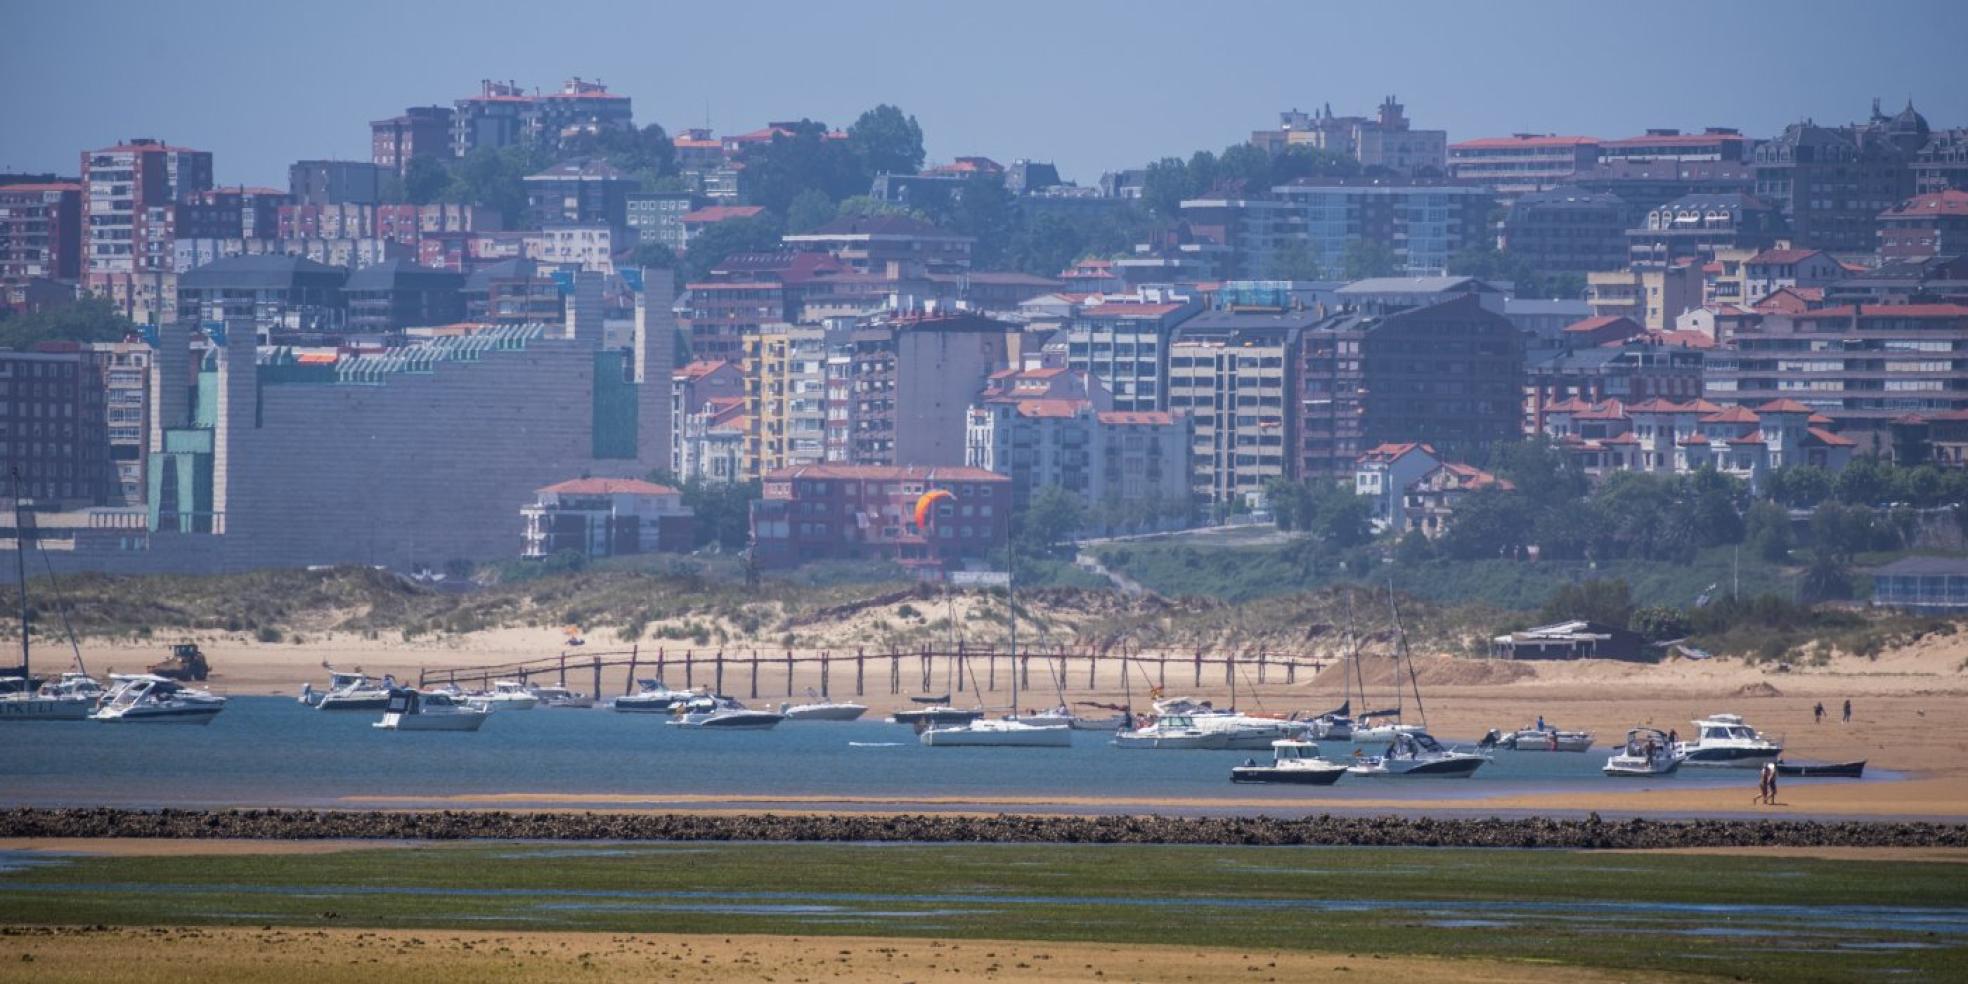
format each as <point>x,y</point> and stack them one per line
<point>786,397</point>
<point>1567,230</point>
<point>1232,372</point>
<point>1124,342</point>
<point>1832,182</point>
<point>1319,221</point>
<point>127,194</point>
<point>335,182</point>
<point>422,131</point>
<point>40,232</point>
<point>54,436</point>
<point>1933,224</point>
<point>1450,374</point>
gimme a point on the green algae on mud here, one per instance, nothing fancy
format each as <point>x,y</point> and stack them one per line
<point>1758,918</point>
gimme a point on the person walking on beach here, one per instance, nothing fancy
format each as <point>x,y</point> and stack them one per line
<point>1817,713</point>
<point>1766,784</point>
<point>1848,711</point>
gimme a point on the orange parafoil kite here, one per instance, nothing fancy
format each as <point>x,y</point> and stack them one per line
<point>928,502</point>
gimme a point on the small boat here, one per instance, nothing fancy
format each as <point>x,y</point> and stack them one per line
<point>1080,722</point>
<point>1723,740</point>
<point>349,692</point>
<point>1418,754</point>
<point>1172,731</point>
<point>1293,762</point>
<point>1370,730</point>
<point>70,699</point>
<point>998,733</point>
<point>651,697</point>
<point>1331,726</point>
<point>935,716</point>
<point>559,697</point>
<point>151,699</point>
<point>1245,732</point>
<point>723,713</point>
<point>507,695</point>
<point>1647,752</point>
<point>1538,738</point>
<point>1828,770</point>
<point>816,709</point>
<point>410,710</point>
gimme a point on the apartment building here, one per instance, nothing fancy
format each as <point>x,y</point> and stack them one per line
<point>125,369</point>
<point>1567,230</point>
<point>1651,296</point>
<point>1665,437</point>
<point>1697,227</point>
<point>579,192</point>
<point>503,114</point>
<point>127,194</point>
<point>871,244</point>
<point>1421,223</point>
<point>868,512</point>
<point>1231,372</point>
<point>1630,372</point>
<point>1522,163</point>
<point>786,397</point>
<point>1132,468</point>
<point>335,183</point>
<point>40,232</point>
<point>1933,224</point>
<point>605,517</point>
<point>657,217</point>
<point>1859,365</point>
<point>422,131</point>
<point>54,429</point>
<point>388,297</point>
<point>1832,182</point>
<point>1123,343</point>
<point>913,376</point>
<point>1449,373</point>
<point>693,387</point>
<point>1716,143</point>
<point>286,299</point>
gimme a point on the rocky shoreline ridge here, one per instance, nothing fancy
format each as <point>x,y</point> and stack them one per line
<point>1323,830</point>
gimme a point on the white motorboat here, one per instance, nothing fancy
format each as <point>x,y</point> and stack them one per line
<point>651,697</point>
<point>935,716</point>
<point>1540,737</point>
<point>1293,762</point>
<point>823,710</point>
<point>1723,740</point>
<point>559,697</point>
<point>1244,732</point>
<point>999,733</point>
<point>22,697</point>
<point>507,695</point>
<point>1418,754</point>
<point>411,710</point>
<point>723,713</point>
<point>349,692</point>
<point>1172,731</point>
<point>1647,752</point>
<point>152,699</point>
<point>1080,722</point>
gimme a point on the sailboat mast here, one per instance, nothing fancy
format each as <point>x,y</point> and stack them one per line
<point>20,571</point>
<point>1401,637</point>
<point>1011,612</point>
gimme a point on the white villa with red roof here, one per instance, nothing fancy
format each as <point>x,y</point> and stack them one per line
<point>1665,437</point>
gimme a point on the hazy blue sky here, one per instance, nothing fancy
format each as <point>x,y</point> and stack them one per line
<point>1092,86</point>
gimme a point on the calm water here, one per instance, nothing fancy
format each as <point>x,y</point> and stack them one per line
<point>272,751</point>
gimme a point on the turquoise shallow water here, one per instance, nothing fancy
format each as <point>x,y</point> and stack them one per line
<point>271,751</point>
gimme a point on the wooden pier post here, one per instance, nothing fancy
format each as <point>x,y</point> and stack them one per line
<point>563,669</point>
<point>991,670</point>
<point>860,667</point>
<point>894,673</point>
<point>1291,671</point>
<point>597,676</point>
<point>1199,669</point>
<point>928,669</point>
<point>755,674</point>
<point>826,670</point>
<point>689,669</point>
<point>789,672</point>
<point>1093,665</point>
<point>1260,666</point>
<point>957,670</point>
<point>628,686</point>
<point>718,665</point>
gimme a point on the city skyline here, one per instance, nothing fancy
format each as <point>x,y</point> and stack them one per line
<point>1116,89</point>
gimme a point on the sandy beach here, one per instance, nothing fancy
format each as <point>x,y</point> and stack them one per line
<point>142,955</point>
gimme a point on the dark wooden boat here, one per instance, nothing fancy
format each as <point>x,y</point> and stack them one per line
<point>1830,770</point>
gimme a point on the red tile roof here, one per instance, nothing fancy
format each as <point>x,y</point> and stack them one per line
<point>1783,406</point>
<point>1391,452</point>
<point>1949,202</point>
<point>1500,143</point>
<point>1890,311</point>
<point>1144,418</point>
<point>701,368</point>
<point>1733,415</point>
<point>1784,256</point>
<point>44,186</point>
<point>1625,438</point>
<point>1656,405</point>
<point>1817,418</point>
<point>1680,338</point>
<point>1052,407</point>
<point>1750,438</point>
<point>1834,440</point>
<point>1693,439</point>
<point>719,213</point>
<point>1609,410</point>
<point>608,486</point>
